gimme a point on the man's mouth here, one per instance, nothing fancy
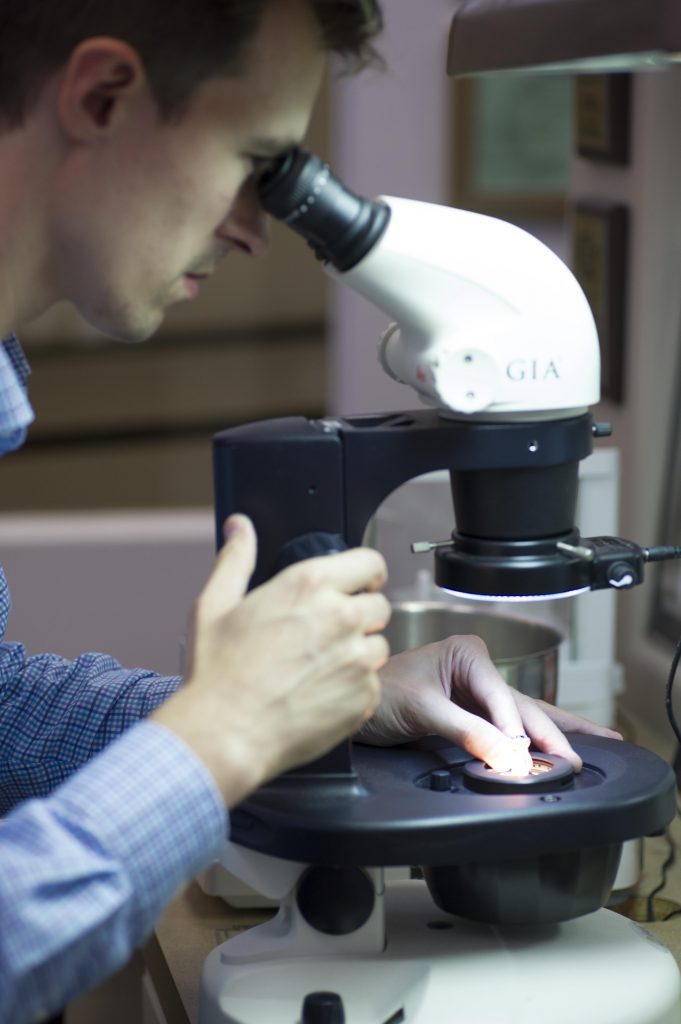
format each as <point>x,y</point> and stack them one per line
<point>192,282</point>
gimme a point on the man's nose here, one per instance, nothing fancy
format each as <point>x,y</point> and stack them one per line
<point>246,225</point>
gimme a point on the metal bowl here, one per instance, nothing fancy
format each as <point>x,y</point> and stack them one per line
<point>524,651</point>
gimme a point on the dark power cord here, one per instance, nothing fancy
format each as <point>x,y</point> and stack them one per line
<point>671,715</point>
<point>668,702</point>
<point>661,553</point>
<point>650,898</point>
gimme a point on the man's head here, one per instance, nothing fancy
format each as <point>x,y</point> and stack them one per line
<point>181,43</point>
<point>133,130</point>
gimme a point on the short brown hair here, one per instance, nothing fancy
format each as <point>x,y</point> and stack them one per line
<point>181,42</point>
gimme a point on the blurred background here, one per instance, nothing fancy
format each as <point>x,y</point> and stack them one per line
<point>105,522</point>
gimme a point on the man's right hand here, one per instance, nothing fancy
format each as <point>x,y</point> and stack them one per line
<point>278,676</point>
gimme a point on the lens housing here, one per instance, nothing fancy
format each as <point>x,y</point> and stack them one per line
<point>299,189</point>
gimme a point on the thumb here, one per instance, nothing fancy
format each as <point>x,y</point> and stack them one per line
<point>234,565</point>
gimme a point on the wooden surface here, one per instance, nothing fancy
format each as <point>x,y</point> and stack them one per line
<point>191,927</point>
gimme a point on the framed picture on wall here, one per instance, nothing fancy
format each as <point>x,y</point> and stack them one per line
<point>602,114</point>
<point>512,145</point>
<point>599,233</point>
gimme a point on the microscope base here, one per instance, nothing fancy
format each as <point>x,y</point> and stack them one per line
<point>599,967</point>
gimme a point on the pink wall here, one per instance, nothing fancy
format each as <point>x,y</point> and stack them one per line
<point>391,135</point>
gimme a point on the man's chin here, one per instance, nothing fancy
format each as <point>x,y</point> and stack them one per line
<point>128,330</point>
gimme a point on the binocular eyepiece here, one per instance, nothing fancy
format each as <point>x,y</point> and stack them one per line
<point>341,227</point>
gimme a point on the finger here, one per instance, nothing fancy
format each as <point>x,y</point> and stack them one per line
<point>372,611</point>
<point>377,651</point>
<point>358,657</point>
<point>472,666</point>
<point>569,722</point>
<point>545,734</point>
<point>234,566</point>
<point>477,736</point>
<point>348,571</point>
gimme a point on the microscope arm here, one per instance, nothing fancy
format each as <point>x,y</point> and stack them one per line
<point>489,319</point>
<point>493,331</point>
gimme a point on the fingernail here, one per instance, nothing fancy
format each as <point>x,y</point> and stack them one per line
<point>233,526</point>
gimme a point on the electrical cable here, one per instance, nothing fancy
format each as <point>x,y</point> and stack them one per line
<point>671,856</point>
<point>661,552</point>
<point>670,859</point>
<point>674,913</point>
<point>669,706</point>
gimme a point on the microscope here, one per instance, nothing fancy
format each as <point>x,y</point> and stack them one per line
<point>508,875</point>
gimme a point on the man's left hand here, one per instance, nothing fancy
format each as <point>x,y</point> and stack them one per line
<point>452,689</point>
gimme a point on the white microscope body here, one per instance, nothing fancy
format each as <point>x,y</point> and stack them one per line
<point>490,324</point>
<point>488,319</point>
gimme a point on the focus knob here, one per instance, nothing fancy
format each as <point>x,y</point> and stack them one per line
<point>335,900</point>
<point>323,1008</point>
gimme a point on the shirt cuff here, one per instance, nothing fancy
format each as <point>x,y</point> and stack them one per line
<point>153,806</point>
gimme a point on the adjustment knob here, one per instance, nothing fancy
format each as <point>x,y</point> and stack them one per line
<point>620,575</point>
<point>440,780</point>
<point>335,900</point>
<point>323,1008</point>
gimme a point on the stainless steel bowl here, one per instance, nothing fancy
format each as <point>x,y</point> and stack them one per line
<point>524,651</point>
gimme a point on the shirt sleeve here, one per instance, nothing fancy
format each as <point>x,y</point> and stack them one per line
<point>85,873</point>
<point>55,714</point>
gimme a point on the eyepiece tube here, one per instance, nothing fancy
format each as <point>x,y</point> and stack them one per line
<point>341,227</point>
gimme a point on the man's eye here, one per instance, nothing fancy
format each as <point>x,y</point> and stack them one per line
<point>260,165</point>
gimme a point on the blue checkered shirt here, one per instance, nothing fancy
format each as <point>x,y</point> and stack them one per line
<point>15,410</point>
<point>108,814</point>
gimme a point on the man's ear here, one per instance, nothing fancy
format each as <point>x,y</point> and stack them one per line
<point>100,83</point>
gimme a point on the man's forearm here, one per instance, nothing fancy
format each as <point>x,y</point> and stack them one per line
<point>85,873</point>
<point>55,714</point>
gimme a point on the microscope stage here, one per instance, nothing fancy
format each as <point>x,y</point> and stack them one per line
<point>392,812</point>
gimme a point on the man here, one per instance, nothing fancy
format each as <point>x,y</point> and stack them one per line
<point>129,134</point>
